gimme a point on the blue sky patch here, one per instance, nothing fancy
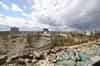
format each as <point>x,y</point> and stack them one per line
<point>24,5</point>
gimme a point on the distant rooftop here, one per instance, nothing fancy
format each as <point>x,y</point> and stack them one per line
<point>45,30</point>
<point>14,29</point>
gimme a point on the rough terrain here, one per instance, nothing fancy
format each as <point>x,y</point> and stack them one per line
<point>49,49</point>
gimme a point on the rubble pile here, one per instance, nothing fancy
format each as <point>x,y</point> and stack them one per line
<point>43,50</point>
<point>80,56</point>
<point>61,56</point>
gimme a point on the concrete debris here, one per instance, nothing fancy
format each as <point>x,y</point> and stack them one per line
<point>39,51</point>
<point>95,59</point>
<point>55,57</point>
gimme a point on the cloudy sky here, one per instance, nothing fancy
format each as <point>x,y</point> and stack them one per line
<point>57,15</point>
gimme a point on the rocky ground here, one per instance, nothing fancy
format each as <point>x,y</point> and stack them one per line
<point>80,55</point>
<point>86,55</point>
<point>25,50</point>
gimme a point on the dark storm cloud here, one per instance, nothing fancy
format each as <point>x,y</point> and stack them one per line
<point>77,15</point>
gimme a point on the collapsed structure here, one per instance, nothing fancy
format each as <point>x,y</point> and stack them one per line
<point>48,48</point>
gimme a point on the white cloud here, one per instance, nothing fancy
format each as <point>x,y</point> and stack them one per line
<point>4,5</point>
<point>11,21</point>
<point>65,7</point>
<point>16,8</point>
<point>25,14</point>
<point>21,23</point>
<point>56,14</point>
<point>64,12</point>
<point>54,7</point>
